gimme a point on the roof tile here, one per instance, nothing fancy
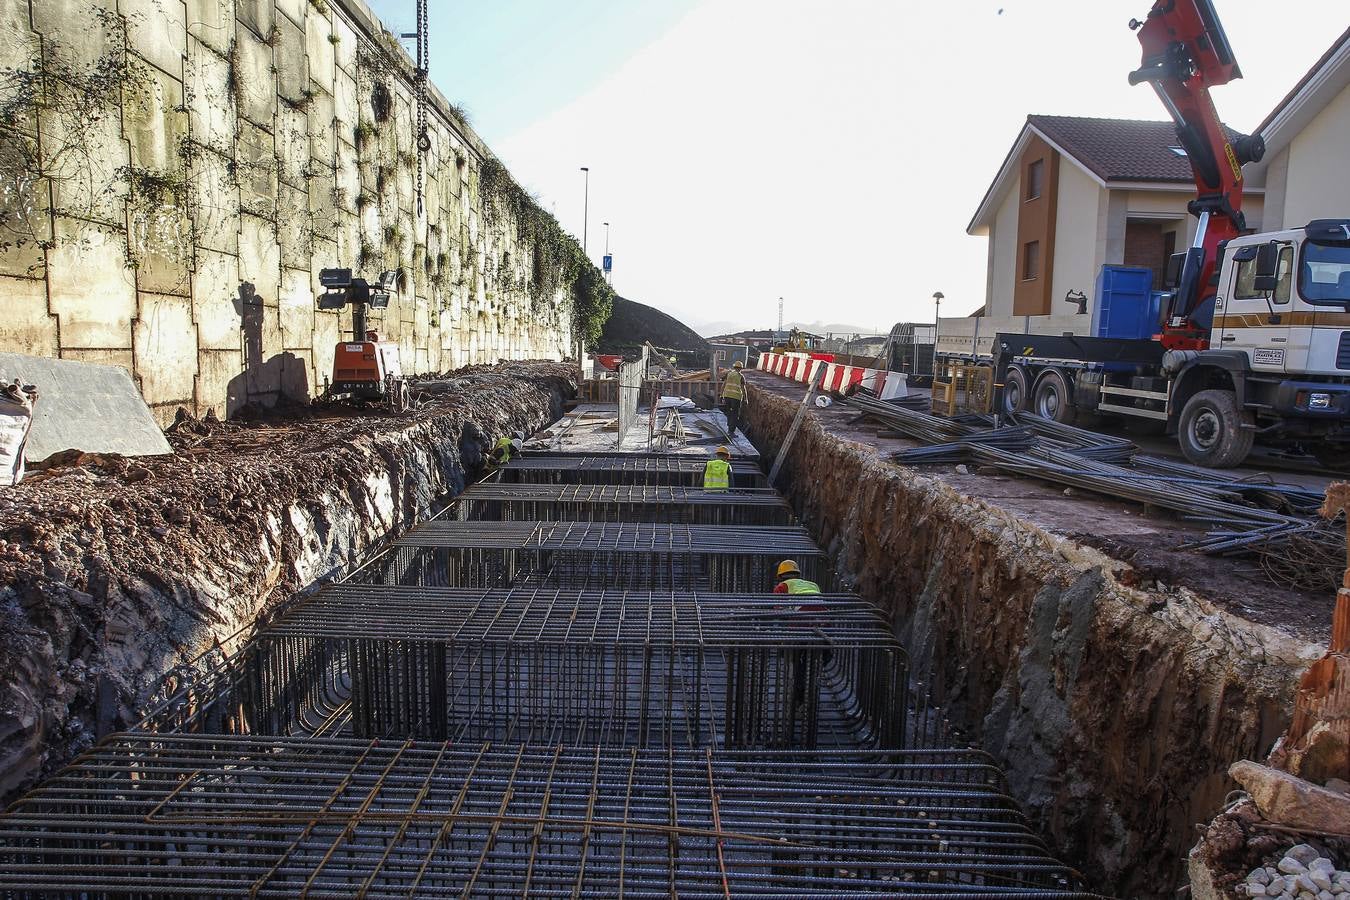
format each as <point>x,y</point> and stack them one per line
<point>1120,149</point>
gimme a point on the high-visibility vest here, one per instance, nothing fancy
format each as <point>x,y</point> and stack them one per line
<point>734,386</point>
<point>802,586</point>
<point>717,475</point>
<point>505,447</point>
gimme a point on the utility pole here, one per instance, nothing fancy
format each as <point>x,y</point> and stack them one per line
<point>937,314</point>
<point>780,314</point>
<point>606,265</point>
<point>585,208</point>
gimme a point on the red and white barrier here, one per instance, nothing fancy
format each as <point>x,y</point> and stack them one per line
<point>838,378</point>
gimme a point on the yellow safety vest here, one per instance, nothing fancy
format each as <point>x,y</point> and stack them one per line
<point>504,445</point>
<point>802,586</point>
<point>717,475</point>
<point>734,387</point>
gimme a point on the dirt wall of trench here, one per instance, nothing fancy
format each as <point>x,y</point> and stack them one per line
<point>1114,711</point>
<point>113,571</point>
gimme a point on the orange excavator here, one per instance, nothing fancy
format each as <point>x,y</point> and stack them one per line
<point>364,368</point>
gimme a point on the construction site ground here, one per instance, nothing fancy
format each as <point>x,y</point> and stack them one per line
<point>1143,540</point>
<point>592,428</point>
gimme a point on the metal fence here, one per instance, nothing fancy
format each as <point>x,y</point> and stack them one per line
<point>633,669</point>
<point>201,815</point>
<point>629,386</point>
<point>620,503</point>
<point>597,556</point>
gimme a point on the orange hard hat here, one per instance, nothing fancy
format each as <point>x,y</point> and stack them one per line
<point>724,452</point>
<point>788,567</point>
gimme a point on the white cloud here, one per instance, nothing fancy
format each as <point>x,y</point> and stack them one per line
<point>832,153</point>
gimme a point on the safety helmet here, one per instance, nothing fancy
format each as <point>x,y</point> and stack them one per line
<point>738,365</point>
<point>724,452</point>
<point>788,567</point>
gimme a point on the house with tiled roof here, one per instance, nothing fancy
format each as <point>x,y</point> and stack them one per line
<point>1074,194</point>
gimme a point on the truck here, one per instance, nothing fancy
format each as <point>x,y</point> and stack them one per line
<point>1250,336</point>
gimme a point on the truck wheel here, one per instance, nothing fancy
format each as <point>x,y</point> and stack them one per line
<point>1015,392</point>
<point>1211,432</point>
<point>1053,399</point>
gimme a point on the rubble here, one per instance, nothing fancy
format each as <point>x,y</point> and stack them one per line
<point>1291,801</point>
<point>112,571</point>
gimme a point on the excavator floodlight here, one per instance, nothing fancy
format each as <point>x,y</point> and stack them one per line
<point>335,278</point>
<point>388,281</point>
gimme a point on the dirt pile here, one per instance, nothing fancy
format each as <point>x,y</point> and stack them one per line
<point>1114,708</point>
<point>114,570</point>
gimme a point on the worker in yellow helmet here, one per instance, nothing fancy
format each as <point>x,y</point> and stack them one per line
<point>790,581</point>
<point>733,395</point>
<point>717,472</point>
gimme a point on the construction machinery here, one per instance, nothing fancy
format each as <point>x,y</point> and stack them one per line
<point>364,368</point>
<point>1251,335</point>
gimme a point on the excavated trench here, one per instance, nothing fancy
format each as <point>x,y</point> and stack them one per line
<point>114,571</point>
<point>1114,710</point>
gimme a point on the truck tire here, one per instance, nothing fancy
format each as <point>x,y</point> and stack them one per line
<point>1053,398</point>
<point>1211,431</point>
<point>1016,390</point>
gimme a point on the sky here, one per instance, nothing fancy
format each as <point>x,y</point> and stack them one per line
<point>829,153</point>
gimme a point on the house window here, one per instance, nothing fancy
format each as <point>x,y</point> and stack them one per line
<point>1031,260</point>
<point>1179,151</point>
<point>1035,178</point>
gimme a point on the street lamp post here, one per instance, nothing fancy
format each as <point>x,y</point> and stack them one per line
<point>937,307</point>
<point>585,208</point>
<point>605,259</point>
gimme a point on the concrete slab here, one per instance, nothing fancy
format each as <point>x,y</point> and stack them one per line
<point>86,407</point>
<point>584,430</point>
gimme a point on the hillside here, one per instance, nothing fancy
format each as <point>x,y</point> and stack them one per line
<point>631,323</point>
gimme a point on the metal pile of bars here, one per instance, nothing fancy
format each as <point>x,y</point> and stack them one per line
<point>1244,515</point>
<point>482,711</point>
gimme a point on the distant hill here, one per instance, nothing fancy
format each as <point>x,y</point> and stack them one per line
<point>631,323</point>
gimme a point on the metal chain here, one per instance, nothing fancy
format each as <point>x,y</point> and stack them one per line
<point>423,62</point>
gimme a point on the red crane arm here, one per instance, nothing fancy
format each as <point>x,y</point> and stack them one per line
<point>1185,53</point>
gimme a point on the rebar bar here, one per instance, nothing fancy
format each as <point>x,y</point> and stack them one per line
<point>621,503</point>
<point>192,815</point>
<point>623,468</point>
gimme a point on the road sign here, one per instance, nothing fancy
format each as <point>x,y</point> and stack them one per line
<point>609,262</point>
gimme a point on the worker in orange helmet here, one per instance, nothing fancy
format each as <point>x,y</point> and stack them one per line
<point>790,581</point>
<point>717,472</point>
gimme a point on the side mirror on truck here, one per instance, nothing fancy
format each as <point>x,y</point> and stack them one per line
<point>1172,274</point>
<point>1267,266</point>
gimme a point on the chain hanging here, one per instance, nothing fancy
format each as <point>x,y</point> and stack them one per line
<point>423,62</point>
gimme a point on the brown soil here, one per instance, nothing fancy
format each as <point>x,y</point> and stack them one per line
<point>114,569</point>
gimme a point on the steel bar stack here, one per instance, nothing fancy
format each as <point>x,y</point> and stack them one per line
<point>489,501</point>
<point>567,707</point>
<point>622,468</point>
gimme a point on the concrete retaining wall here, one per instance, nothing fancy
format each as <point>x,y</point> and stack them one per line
<point>207,158</point>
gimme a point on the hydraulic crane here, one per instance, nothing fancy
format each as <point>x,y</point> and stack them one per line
<point>1186,52</point>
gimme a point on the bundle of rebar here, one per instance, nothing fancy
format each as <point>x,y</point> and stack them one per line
<point>672,469</point>
<point>621,503</point>
<point>205,815</point>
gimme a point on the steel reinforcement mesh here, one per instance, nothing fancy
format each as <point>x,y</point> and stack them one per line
<point>611,668</point>
<point>489,501</point>
<point>195,815</point>
<point>624,468</point>
<point>597,556</point>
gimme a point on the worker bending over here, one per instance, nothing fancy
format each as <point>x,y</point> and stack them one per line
<point>506,447</point>
<point>717,472</point>
<point>733,394</point>
<point>790,581</point>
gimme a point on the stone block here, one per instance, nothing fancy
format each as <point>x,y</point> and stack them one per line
<point>83,44</point>
<point>211,22</point>
<point>26,326</point>
<point>216,301</point>
<point>320,50</point>
<point>221,384</point>
<point>215,201</point>
<point>256,15</point>
<point>256,170</point>
<point>327,334</point>
<point>320,115</point>
<point>166,349</point>
<point>293,10</point>
<point>346,108</point>
<point>295,229</point>
<point>291,63</point>
<point>260,258</point>
<point>155,122</point>
<point>1290,801</point>
<point>297,309</point>
<point>323,205</point>
<point>157,31</point>
<point>292,146</point>
<point>122,358</point>
<point>262,352</point>
<point>208,77</point>
<point>297,376</point>
<point>254,79</point>
<point>90,287</point>
<point>88,182</point>
<point>18,42</point>
<point>344,50</point>
<point>160,242</point>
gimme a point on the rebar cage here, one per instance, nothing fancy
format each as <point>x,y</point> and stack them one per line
<point>596,556</point>
<point>620,503</point>
<point>198,815</point>
<point>544,666</point>
<point>625,468</point>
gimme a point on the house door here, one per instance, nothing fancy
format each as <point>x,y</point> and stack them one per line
<point>1146,247</point>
